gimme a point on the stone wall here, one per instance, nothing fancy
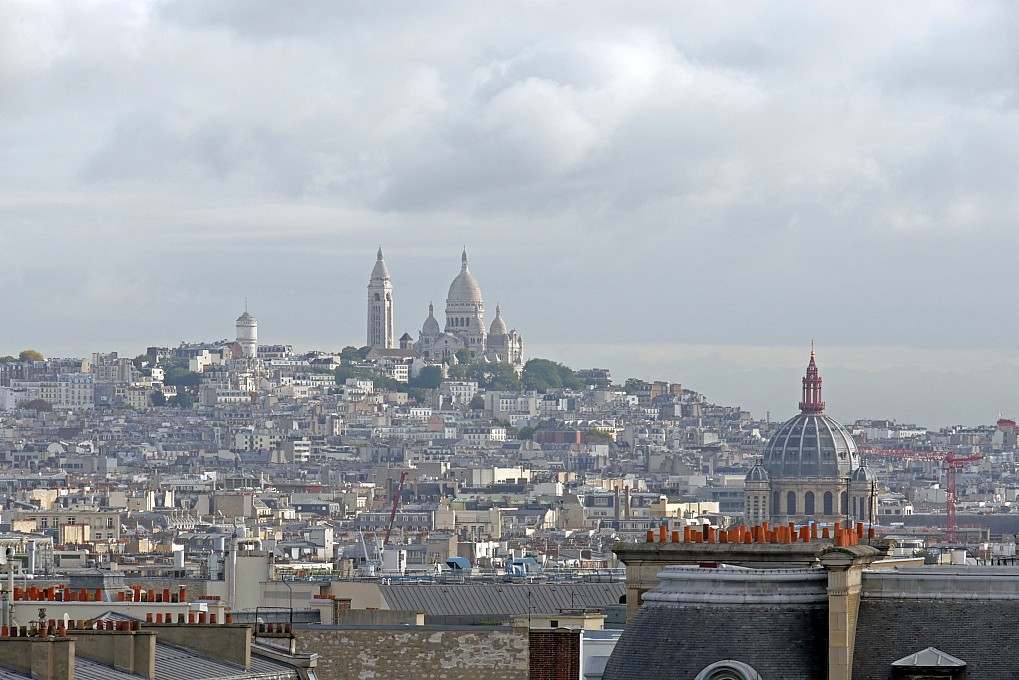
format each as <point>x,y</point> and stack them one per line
<point>419,652</point>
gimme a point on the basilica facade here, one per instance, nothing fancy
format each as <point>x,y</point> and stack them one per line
<point>464,327</point>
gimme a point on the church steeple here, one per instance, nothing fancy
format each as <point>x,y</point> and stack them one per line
<point>380,305</point>
<point>812,387</point>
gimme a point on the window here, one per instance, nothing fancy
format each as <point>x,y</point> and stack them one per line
<point>72,520</point>
<point>109,522</point>
<point>808,503</point>
<point>829,508</point>
<point>728,670</point>
<point>790,503</point>
<point>845,503</point>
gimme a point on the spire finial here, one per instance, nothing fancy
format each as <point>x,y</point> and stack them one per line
<point>380,253</point>
<point>245,303</point>
<point>463,258</point>
<point>812,347</point>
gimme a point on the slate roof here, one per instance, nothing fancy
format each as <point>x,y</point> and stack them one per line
<point>500,599</point>
<point>678,641</point>
<point>974,631</point>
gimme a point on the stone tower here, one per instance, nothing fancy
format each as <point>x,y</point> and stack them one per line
<point>380,306</point>
<point>247,335</point>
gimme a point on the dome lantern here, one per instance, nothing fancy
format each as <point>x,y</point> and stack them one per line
<point>812,387</point>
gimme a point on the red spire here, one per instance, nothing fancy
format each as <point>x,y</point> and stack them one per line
<point>812,387</point>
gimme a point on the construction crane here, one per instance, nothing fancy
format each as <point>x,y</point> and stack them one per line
<point>951,463</point>
<point>392,513</point>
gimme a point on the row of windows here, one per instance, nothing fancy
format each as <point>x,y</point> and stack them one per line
<point>860,503</point>
<point>828,503</point>
<point>44,522</point>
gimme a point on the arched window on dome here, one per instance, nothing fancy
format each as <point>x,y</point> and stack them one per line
<point>790,503</point>
<point>845,503</point>
<point>808,503</point>
<point>377,298</point>
<point>775,502</point>
<point>829,503</point>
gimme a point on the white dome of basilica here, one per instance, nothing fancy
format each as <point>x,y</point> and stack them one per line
<point>464,288</point>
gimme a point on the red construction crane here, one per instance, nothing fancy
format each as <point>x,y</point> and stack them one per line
<point>951,463</point>
<point>392,513</point>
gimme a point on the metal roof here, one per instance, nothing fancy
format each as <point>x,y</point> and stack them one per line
<point>502,599</point>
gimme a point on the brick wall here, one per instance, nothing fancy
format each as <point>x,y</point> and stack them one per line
<point>555,654</point>
<point>418,652</point>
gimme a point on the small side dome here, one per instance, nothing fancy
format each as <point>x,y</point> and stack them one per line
<point>863,474</point>
<point>757,474</point>
<point>498,325</point>
<point>431,326</point>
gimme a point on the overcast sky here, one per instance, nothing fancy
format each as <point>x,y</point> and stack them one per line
<point>679,190</point>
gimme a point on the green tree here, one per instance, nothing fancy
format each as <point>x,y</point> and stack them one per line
<point>182,377</point>
<point>596,437</point>
<point>38,405</point>
<point>157,398</point>
<point>183,399</point>
<point>429,378</point>
<point>477,403</point>
<point>526,432</point>
<point>30,355</point>
<point>544,375</point>
<point>8,359</point>
<point>633,384</point>
<point>457,372</point>
<point>494,376</point>
<point>344,372</point>
<point>380,381</point>
<point>351,354</point>
<point>140,361</point>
